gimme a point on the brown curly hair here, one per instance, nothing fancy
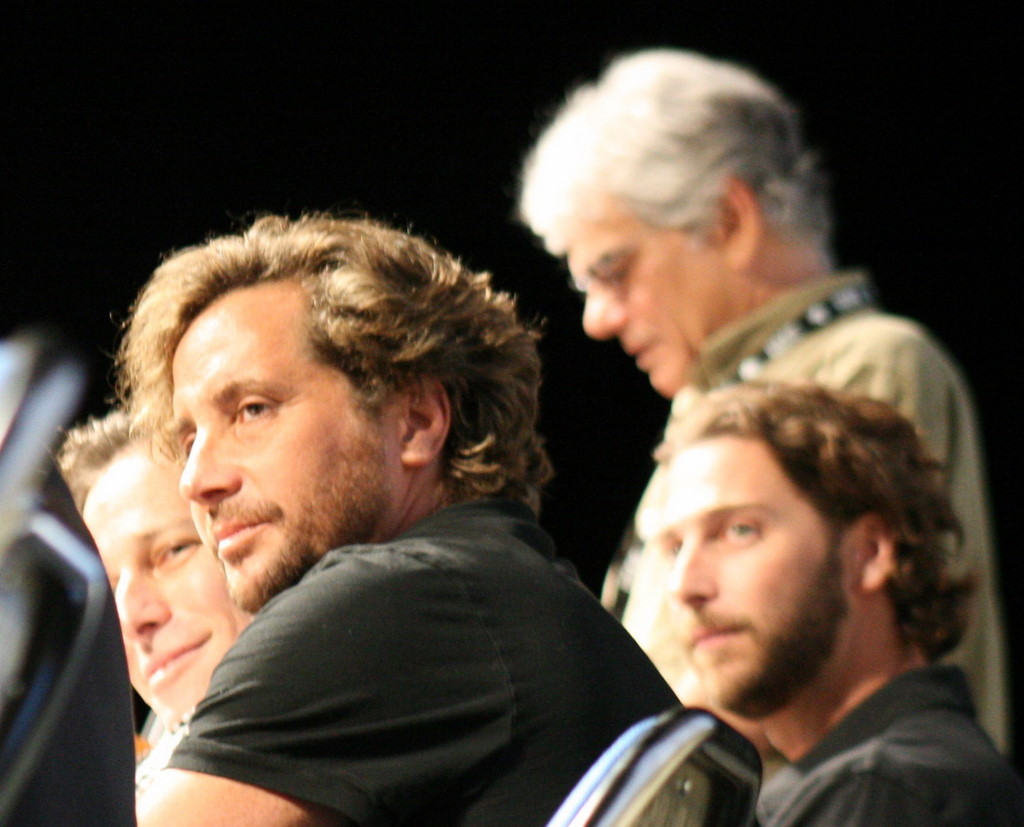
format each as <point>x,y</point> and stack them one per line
<point>386,308</point>
<point>850,456</point>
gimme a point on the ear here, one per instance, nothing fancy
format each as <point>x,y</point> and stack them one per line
<point>874,553</point>
<point>740,227</point>
<point>425,419</point>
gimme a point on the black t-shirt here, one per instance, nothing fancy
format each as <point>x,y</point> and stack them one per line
<point>457,675</point>
<point>911,754</point>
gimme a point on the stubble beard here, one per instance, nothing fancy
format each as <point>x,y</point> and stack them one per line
<point>793,654</point>
<point>347,509</point>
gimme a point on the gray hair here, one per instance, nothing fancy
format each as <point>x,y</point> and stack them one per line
<point>660,131</point>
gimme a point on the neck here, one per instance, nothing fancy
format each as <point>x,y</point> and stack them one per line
<point>779,266</point>
<point>796,728</point>
<point>421,494</point>
<point>783,264</point>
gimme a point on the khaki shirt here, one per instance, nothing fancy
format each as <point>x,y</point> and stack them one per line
<point>882,356</point>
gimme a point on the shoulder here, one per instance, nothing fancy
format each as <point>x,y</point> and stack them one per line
<point>361,594</point>
<point>377,611</point>
<point>887,341</point>
<point>888,358</point>
<point>842,791</point>
<point>931,768</point>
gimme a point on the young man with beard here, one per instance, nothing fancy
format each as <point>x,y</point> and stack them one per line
<point>356,416</point>
<point>807,533</point>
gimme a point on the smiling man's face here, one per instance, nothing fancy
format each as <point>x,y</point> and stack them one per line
<point>176,617</point>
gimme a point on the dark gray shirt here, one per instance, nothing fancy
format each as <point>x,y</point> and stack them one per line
<point>911,754</point>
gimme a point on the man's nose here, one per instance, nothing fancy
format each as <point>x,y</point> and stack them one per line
<point>692,580</point>
<point>604,313</point>
<point>209,475</point>
<point>141,606</point>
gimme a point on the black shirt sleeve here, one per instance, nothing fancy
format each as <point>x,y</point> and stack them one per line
<point>315,699</point>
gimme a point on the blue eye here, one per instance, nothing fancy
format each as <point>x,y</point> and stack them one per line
<point>742,530</point>
<point>252,410</point>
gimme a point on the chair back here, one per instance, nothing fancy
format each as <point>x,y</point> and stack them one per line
<point>52,585</point>
<point>682,767</point>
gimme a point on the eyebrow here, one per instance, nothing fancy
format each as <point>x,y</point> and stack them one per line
<point>229,394</point>
<point>717,513</point>
<point>598,270</point>
<point>611,260</point>
<point>184,525</point>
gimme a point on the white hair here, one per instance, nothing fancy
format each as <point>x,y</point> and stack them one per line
<point>659,132</point>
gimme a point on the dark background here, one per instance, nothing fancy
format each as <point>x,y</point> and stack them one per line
<point>131,132</point>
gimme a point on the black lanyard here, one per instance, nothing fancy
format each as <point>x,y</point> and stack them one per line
<point>840,303</point>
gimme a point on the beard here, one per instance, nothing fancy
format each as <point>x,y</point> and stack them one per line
<point>792,649</point>
<point>345,508</point>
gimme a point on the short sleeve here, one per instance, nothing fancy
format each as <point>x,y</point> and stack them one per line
<point>314,700</point>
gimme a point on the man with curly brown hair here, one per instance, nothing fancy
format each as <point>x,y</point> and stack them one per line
<point>355,412</point>
<point>808,533</point>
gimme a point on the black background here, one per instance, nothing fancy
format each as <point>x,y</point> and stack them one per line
<point>131,130</point>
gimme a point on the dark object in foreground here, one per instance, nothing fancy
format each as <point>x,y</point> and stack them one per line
<point>683,767</point>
